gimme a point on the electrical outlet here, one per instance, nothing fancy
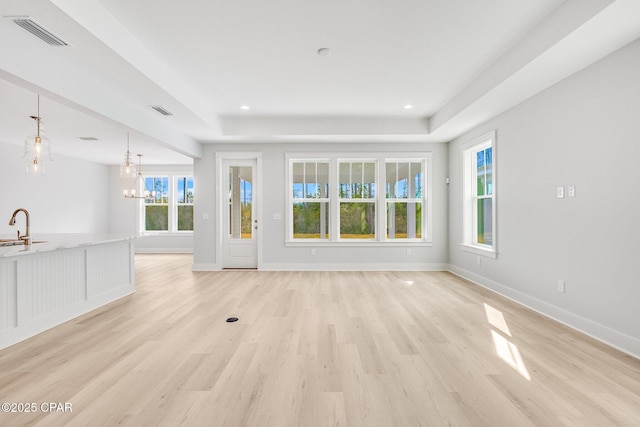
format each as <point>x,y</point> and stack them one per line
<point>313,252</point>
<point>561,286</point>
<point>571,191</point>
<point>408,251</point>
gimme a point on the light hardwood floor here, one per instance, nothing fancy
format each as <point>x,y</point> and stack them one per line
<point>316,349</point>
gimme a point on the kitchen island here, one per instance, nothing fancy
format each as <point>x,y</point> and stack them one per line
<point>62,277</point>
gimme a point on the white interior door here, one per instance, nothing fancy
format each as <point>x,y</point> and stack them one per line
<point>239,219</point>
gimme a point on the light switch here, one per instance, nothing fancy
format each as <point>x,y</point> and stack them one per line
<point>277,216</point>
<point>205,216</point>
<point>560,192</point>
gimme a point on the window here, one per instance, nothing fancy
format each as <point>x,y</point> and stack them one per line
<point>184,203</point>
<point>404,195</point>
<point>168,206</point>
<point>356,196</point>
<point>479,195</point>
<point>310,199</point>
<point>240,202</point>
<point>156,205</point>
<point>359,199</point>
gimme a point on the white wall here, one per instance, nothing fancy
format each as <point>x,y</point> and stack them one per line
<point>584,131</point>
<point>278,256</point>
<point>123,213</point>
<point>70,198</point>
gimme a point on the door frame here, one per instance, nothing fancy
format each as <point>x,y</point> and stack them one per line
<point>221,201</point>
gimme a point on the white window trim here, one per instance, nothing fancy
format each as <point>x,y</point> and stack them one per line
<point>468,211</point>
<point>172,205</point>
<point>380,199</point>
<point>425,158</point>
<point>291,199</point>
<point>335,225</point>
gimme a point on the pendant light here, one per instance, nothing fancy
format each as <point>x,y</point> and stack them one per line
<point>128,167</point>
<point>37,148</point>
<point>139,189</point>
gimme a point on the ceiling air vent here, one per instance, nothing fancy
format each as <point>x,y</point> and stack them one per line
<point>160,109</point>
<point>37,30</point>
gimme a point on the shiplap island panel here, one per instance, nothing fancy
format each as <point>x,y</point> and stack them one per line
<point>49,283</point>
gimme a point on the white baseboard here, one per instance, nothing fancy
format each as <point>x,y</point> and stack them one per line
<point>354,267</point>
<point>163,250</point>
<point>611,337</point>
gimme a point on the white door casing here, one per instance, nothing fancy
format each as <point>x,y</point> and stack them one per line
<point>238,218</point>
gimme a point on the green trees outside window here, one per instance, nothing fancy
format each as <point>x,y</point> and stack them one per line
<point>185,203</point>
<point>354,198</point>
<point>484,194</point>
<point>170,205</point>
<point>310,195</point>
<point>404,194</point>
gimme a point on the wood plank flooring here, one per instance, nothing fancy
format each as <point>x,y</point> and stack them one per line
<point>315,349</point>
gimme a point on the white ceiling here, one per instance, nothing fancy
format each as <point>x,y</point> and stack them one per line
<point>458,62</point>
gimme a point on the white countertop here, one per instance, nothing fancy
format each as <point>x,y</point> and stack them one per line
<point>57,241</point>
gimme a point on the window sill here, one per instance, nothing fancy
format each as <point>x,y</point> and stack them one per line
<point>343,243</point>
<point>489,253</point>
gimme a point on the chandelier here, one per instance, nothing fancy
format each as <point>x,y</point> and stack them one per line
<point>139,188</point>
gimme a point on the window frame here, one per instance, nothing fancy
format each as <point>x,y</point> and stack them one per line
<point>308,199</point>
<point>145,205</point>
<point>470,196</point>
<point>339,200</point>
<point>423,170</point>
<point>178,204</point>
<point>380,200</point>
<point>172,203</point>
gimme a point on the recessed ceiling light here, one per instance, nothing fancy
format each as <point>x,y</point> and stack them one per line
<point>408,107</point>
<point>245,107</point>
<point>324,51</point>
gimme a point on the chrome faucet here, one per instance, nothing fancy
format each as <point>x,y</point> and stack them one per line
<point>26,238</point>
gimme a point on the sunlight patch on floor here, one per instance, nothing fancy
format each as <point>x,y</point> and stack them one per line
<point>496,319</point>
<point>505,349</point>
<point>509,352</point>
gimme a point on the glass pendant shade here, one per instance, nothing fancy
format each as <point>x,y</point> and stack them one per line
<point>128,168</point>
<point>37,148</point>
<point>35,167</point>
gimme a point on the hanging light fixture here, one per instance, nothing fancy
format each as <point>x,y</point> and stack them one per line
<point>37,148</point>
<point>128,167</point>
<point>139,188</point>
